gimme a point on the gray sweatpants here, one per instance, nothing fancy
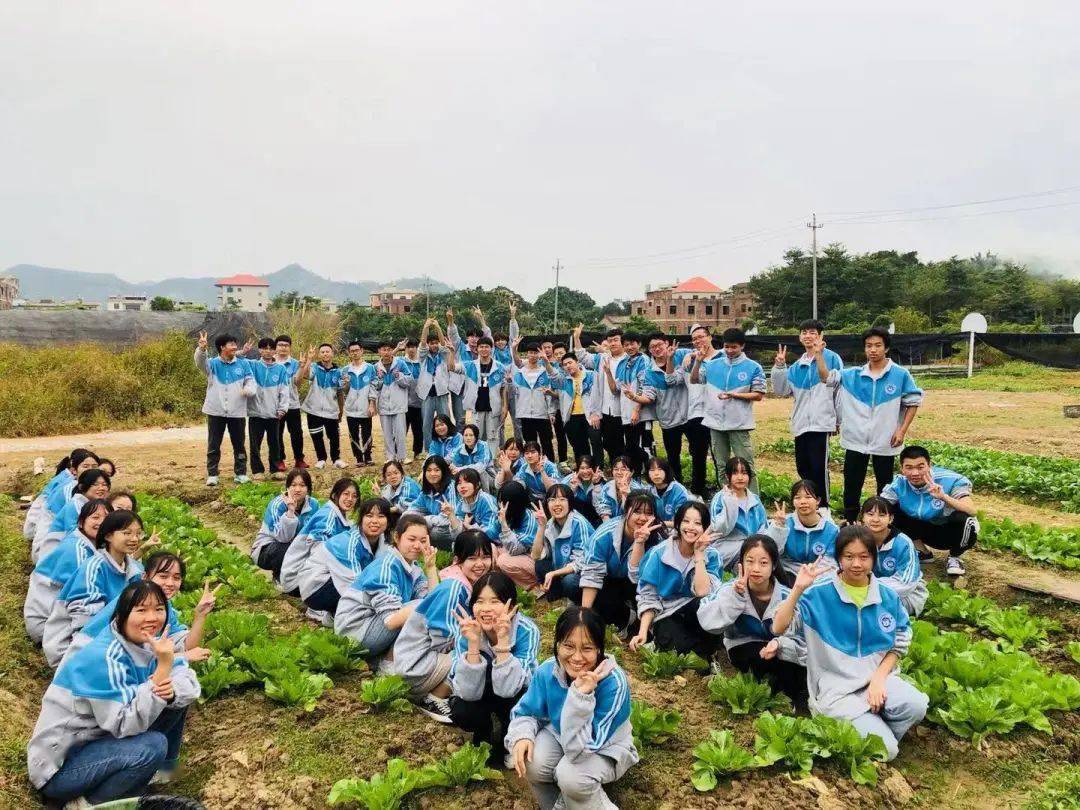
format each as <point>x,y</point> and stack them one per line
<point>393,430</point>
<point>491,429</point>
<point>728,443</point>
<point>580,784</point>
<point>905,706</point>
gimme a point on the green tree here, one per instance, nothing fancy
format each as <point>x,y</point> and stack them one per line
<point>908,320</point>
<point>574,307</point>
<point>160,303</point>
<point>293,300</point>
<point>641,325</point>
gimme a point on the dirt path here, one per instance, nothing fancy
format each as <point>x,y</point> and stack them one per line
<point>105,439</point>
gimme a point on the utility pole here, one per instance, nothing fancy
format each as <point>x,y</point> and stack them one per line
<point>813,226</point>
<point>427,297</point>
<point>556,268</point>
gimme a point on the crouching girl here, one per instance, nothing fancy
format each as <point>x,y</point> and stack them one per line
<point>284,518</point>
<point>856,630</point>
<point>570,733</point>
<point>897,561</point>
<point>114,714</point>
<point>331,518</point>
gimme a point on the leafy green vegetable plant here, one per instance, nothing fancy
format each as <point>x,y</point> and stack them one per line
<point>745,694</point>
<point>218,673</point>
<point>978,713</point>
<point>254,496</point>
<point>668,663</point>
<point>782,738</point>
<point>1015,626</point>
<point>652,726</point>
<point>716,757</point>
<point>1060,791</point>
<point>229,629</point>
<point>325,651</point>
<point>386,693</point>
<point>294,687</point>
<point>1073,649</point>
<point>467,764</point>
<point>383,791</point>
<point>264,657</point>
<point>840,740</point>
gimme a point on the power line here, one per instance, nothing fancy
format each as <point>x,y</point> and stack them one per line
<point>886,211</point>
<point>955,216</point>
<point>721,242</point>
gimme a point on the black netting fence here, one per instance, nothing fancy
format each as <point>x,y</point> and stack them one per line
<point>1057,350</point>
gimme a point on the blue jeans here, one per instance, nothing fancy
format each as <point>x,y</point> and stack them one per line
<point>116,767</point>
<point>428,408</point>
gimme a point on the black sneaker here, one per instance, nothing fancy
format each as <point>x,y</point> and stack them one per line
<point>437,708</point>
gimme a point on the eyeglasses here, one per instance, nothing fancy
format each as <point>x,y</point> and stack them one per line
<point>570,649</point>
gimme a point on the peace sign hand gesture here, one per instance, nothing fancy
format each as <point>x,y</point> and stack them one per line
<point>740,581</point>
<point>781,356</point>
<point>808,574</point>
<point>162,647</point>
<point>540,516</point>
<point>779,513</point>
<point>430,556</point>
<point>503,624</point>
<point>469,628</point>
<point>203,339</point>
<point>207,599</point>
<point>641,533</point>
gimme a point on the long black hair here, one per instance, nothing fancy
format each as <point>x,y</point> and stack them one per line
<point>115,521</point>
<point>471,542</point>
<point>499,582</point>
<point>766,544</point>
<point>516,497</point>
<point>89,508</point>
<point>74,459</point>
<point>447,478</point>
<point>135,593</point>
<point>576,616</point>
<point>87,478</point>
<point>339,488</point>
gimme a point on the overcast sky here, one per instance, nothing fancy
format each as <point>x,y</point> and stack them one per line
<point>478,141</point>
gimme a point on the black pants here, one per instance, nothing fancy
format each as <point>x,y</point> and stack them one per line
<point>682,632</point>
<point>577,431</point>
<point>415,424</point>
<point>957,533</point>
<point>296,435</point>
<point>538,430</point>
<point>782,676</point>
<point>699,443</point>
<point>560,435</point>
<point>616,601</point>
<point>855,476</point>
<point>271,556</point>
<point>480,717</point>
<point>326,598</point>
<point>360,437</point>
<point>317,426</point>
<point>586,509</point>
<point>258,426</point>
<point>673,449</point>
<point>611,434</point>
<point>634,442</point>
<point>215,432</point>
<point>563,587</point>
<point>812,462</point>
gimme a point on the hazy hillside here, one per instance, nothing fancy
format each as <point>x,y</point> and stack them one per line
<point>52,282</point>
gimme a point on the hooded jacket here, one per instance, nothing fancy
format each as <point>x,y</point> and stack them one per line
<point>727,611</point>
<point>228,385</point>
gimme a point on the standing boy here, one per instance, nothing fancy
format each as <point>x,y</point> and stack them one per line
<point>636,403</point>
<point>292,414</point>
<point>433,384</point>
<point>359,403</point>
<point>268,407</point>
<point>414,418</point>
<point>229,383</point>
<point>813,417</point>
<point>484,393</point>
<point>609,358</point>
<point>324,403</point>
<point>503,355</point>
<point>671,399</point>
<point>393,386</point>
<point>532,383</point>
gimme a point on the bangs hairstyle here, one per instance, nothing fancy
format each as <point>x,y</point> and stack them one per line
<point>504,588</point>
<point>639,502</point>
<point>697,506</point>
<point>267,343</point>
<point>473,429</point>
<point>74,459</point>
<point>516,497</point>
<point>303,475</point>
<point>406,522</point>
<point>393,463</point>
<point>115,521</point>
<point>451,428</point>
<point>574,617</point>
<point>856,533</point>
<point>624,460</point>
<point>662,464</point>
<point>530,447</point>
<point>738,464</point>
<point>87,478</point>
<point>876,503</point>
<point>472,476</point>
<point>161,561</point>
<point>804,485</point>
<point>512,443</point>
<point>470,543</point>
<point>112,465</point>
<point>340,487</point>
<point>563,490</point>
<point>878,332</point>
<point>138,592</point>
<point>377,506</point>
<point>912,451</point>
<point>447,478</point>
<point>768,545</point>
<point>92,506</point>
<point>116,495</point>
<point>584,460</point>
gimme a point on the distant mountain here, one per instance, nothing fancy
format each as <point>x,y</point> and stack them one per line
<point>51,282</point>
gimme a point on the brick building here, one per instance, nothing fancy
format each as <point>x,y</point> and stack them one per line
<point>675,307</point>
<point>392,300</point>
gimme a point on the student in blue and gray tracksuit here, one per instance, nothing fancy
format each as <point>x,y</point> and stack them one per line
<point>229,384</point>
<point>813,417</point>
<point>570,733</point>
<point>67,473</point>
<point>473,454</point>
<point>559,550</point>
<point>609,497</point>
<point>398,488</point>
<point>670,395</point>
<point>672,579</point>
<point>267,407</point>
<point>467,351</point>
<point>392,385</point>
<point>897,561</point>
<point>324,403</point>
<point>877,404</point>
<point>479,508</point>
<point>414,421</point>
<point>585,481</point>
<point>445,438</point>
<point>663,486</point>
<point>531,384</point>
<point>292,418</point>
<point>360,402</point>
<point>856,632</point>
<point>53,572</point>
<point>374,608</point>
<point>736,512</point>
<point>422,652</point>
<point>934,507</point>
<point>805,536</point>
<point>335,563</point>
<point>485,393</point>
<point>330,519</point>
<point>114,714</point>
<point>733,383</point>
<point>504,355</point>
<point>579,405</point>
<point>743,611</point>
<point>494,658</point>
<point>537,472</point>
<point>606,364</point>
<point>433,382</point>
<point>92,483</point>
<point>283,519</point>
<point>437,500</point>
<point>637,406</point>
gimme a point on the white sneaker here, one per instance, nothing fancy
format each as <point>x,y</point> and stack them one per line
<point>437,708</point>
<point>320,616</point>
<point>954,568</point>
<point>341,465</point>
<point>78,804</point>
<point>320,464</point>
<point>163,777</point>
<point>242,479</point>
<point>211,480</point>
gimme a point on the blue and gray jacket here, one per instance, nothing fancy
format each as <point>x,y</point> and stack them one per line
<point>607,554</point>
<point>429,631</point>
<point>433,370</point>
<point>340,560</point>
<point>871,407</point>
<point>727,611</point>
<point>845,644</point>
<point>320,527</point>
<point>530,386</point>
<point>632,372</point>
<point>278,526</point>
<point>665,578</point>
<point>918,503</point>
<point>291,366</point>
<point>469,681</point>
<point>479,459</point>
<point>37,512</point>
<point>897,566</point>
<point>590,394</point>
<point>464,353</point>
<point>504,355</point>
<point>485,514</point>
<point>605,500</point>
<point>584,725</point>
<point>732,522</point>
<point>102,692</point>
<point>672,398</point>
<point>403,495</point>
<point>723,376</point>
<point>519,540</point>
<point>382,588</point>
<point>668,502</point>
<point>178,631</point>
<point>608,402</point>
<point>800,544</point>
<point>429,504</point>
<point>494,381</point>
<point>392,387</point>
<point>565,544</point>
<point>49,576</point>
<point>322,395</point>
<point>413,367</point>
<point>361,381</point>
<point>534,481</point>
<point>65,518</point>
<point>228,385</point>
<point>444,447</point>
<point>271,395</point>
<point>815,402</point>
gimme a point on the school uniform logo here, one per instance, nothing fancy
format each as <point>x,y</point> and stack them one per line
<point>889,564</point>
<point>819,548</point>
<point>886,622</point>
<point>937,503</point>
<point>890,389</point>
<point>743,376</point>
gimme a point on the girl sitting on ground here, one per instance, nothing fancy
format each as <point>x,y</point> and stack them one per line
<point>609,498</point>
<point>284,518</point>
<point>856,630</point>
<point>667,491</point>
<point>570,733</point>
<point>474,454</point>
<point>437,500</point>
<point>475,509</point>
<point>897,561</point>
<point>68,471</point>
<point>585,480</point>
<point>375,607</point>
<point>92,484</point>
<point>518,531</point>
<point>329,519</point>
<point>398,488</point>
<point>559,547</point>
<point>114,714</point>
<point>672,579</point>
<point>335,563</point>
<point>422,652</point>
<point>736,511</point>
<point>805,536</point>
<point>445,438</point>
<point>493,662</point>
<point>508,462</point>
